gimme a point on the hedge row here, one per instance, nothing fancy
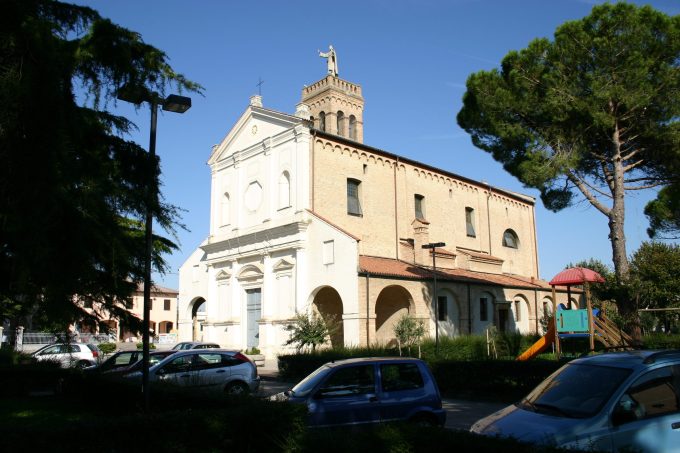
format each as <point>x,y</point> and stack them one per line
<point>500,380</point>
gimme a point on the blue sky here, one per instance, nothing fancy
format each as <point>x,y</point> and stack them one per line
<point>411,58</point>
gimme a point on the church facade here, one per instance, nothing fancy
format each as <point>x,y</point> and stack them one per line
<point>307,218</point>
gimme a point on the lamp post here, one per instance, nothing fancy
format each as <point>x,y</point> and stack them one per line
<point>177,104</point>
<point>435,300</point>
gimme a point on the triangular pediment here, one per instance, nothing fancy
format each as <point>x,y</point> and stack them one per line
<point>254,126</point>
<point>223,275</point>
<point>283,265</point>
<point>250,272</point>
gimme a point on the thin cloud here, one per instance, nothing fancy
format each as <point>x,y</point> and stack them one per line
<point>434,137</point>
<point>456,85</point>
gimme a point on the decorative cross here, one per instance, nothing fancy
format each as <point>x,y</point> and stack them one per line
<point>259,85</point>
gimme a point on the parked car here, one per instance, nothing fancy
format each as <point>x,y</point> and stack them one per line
<point>627,401</point>
<point>369,390</point>
<point>223,370</point>
<point>80,355</point>
<point>184,345</point>
<point>123,361</point>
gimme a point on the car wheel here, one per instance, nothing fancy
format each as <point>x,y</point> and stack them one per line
<point>82,364</point>
<point>425,420</point>
<point>237,389</point>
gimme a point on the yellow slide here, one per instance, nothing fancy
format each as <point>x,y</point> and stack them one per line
<point>541,345</point>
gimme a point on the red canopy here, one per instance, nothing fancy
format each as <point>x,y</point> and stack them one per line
<point>576,276</point>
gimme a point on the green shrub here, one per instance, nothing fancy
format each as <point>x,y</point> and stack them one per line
<point>293,367</point>
<point>661,341</point>
<point>107,348</point>
<point>504,380</point>
<point>140,345</point>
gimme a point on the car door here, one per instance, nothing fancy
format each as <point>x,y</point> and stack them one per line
<point>178,371</point>
<point>211,370</point>
<point>403,390</point>
<point>647,417</point>
<point>56,353</point>
<point>346,397</point>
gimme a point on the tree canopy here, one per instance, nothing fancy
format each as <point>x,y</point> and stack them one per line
<point>72,188</point>
<point>590,115</point>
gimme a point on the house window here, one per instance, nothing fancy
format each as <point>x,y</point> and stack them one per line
<point>419,201</point>
<point>352,127</point>
<point>483,309</point>
<point>353,202</point>
<point>328,252</point>
<point>284,190</point>
<point>518,310</point>
<point>470,222</point>
<point>341,123</point>
<point>510,239</point>
<point>443,307</point>
<point>546,310</point>
<point>322,121</point>
<point>166,304</point>
<point>224,210</point>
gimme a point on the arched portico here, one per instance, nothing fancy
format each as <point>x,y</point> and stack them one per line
<point>328,304</point>
<point>392,303</point>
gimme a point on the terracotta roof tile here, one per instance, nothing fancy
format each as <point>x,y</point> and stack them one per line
<point>396,268</point>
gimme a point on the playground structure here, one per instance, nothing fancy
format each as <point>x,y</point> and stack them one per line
<point>590,323</point>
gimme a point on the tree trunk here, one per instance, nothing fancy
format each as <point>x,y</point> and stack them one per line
<point>627,305</point>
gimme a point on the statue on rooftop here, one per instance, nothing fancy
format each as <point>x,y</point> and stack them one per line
<point>332,60</point>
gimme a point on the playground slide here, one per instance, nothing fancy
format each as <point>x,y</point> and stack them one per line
<point>541,345</point>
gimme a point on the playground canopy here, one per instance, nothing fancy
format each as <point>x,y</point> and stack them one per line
<point>576,276</point>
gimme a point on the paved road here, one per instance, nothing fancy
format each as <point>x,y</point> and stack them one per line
<point>460,414</point>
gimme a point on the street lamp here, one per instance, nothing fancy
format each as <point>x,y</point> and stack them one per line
<point>435,300</point>
<point>177,104</point>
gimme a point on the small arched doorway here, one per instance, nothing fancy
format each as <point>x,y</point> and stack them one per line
<point>328,304</point>
<point>198,315</point>
<point>393,302</point>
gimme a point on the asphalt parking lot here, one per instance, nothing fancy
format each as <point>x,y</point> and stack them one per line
<point>460,414</point>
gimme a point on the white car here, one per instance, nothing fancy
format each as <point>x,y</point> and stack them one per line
<point>79,355</point>
<point>222,370</point>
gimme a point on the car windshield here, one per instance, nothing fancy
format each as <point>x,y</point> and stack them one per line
<point>575,390</point>
<point>307,384</point>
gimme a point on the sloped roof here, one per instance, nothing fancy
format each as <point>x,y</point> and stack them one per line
<point>389,267</point>
<point>156,289</point>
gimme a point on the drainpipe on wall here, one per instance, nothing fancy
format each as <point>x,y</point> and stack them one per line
<point>368,313</point>
<point>469,309</point>
<point>396,212</point>
<point>488,215</point>
<point>536,307</point>
<point>311,192</point>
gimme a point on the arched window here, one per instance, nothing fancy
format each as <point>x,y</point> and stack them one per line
<point>510,239</point>
<point>341,123</point>
<point>322,121</point>
<point>225,207</point>
<point>284,190</point>
<point>353,127</point>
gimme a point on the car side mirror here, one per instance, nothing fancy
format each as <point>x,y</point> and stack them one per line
<point>161,372</point>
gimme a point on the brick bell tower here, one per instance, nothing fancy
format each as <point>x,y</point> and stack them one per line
<point>335,105</point>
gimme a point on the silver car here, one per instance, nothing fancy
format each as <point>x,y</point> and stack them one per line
<point>221,370</point>
<point>67,355</point>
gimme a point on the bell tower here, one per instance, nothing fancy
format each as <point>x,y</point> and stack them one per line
<point>335,105</point>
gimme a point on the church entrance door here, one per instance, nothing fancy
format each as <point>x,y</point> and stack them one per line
<point>254,307</point>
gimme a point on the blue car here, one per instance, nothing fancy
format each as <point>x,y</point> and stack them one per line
<point>626,401</point>
<point>369,390</point>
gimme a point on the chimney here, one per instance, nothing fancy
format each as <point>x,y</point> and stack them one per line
<point>421,236</point>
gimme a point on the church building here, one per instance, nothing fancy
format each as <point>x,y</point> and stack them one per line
<point>306,218</point>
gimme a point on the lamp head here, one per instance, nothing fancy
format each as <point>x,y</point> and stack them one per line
<point>176,103</point>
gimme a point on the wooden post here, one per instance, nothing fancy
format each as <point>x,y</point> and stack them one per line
<point>590,317</point>
<point>557,337</point>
